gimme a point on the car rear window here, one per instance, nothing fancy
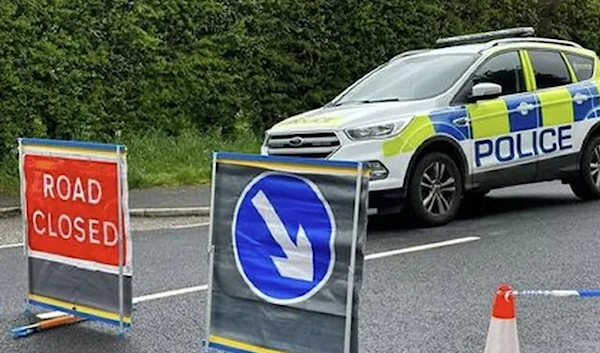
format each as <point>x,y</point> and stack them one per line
<point>550,69</point>
<point>582,65</point>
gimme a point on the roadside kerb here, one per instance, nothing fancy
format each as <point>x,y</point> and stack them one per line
<point>136,212</point>
<point>9,212</point>
<point>170,212</point>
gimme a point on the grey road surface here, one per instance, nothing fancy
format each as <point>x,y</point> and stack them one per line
<point>189,196</point>
<point>438,300</point>
<point>11,229</point>
<point>9,201</point>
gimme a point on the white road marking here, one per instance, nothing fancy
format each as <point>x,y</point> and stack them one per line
<point>170,293</point>
<point>11,246</point>
<point>421,248</point>
<point>204,287</point>
<point>143,298</point>
<point>368,257</point>
<point>193,225</point>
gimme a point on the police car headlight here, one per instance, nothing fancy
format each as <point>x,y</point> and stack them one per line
<point>374,132</point>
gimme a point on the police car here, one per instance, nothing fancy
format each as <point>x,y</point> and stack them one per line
<point>444,125</point>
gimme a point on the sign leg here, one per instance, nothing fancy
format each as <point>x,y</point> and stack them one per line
<point>211,253</point>
<point>209,297</point>
<point>350,292</point>
<point>120,245</point>
<point>28,306</point>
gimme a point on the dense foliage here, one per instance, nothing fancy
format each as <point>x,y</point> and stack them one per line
<point>92,69</point>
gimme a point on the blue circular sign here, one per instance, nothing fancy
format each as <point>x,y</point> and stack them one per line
<point>283,238</point>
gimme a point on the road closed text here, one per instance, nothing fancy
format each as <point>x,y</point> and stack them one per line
<point>82,230</point>
<point>78,228</point>
<point>73,208</point>
<point>523,145</point>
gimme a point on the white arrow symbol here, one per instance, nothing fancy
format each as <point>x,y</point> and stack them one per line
<point>298,263</point>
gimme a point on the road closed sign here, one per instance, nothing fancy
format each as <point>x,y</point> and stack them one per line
<point>73,208</point>
<point>74,199</point>
<point>286,254</point>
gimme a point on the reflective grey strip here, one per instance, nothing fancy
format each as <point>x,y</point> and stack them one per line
<point>71,284</point>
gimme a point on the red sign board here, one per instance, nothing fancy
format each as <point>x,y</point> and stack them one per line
<point>73,208</point>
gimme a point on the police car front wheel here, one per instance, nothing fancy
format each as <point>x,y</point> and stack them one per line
<point>587,184</point>
<point>435,189</point>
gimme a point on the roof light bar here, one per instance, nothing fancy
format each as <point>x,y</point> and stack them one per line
<point>485,36</point>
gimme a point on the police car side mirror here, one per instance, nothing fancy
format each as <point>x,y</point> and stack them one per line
<point>482,91</point>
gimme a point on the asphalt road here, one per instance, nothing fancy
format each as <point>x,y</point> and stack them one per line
<point>438,300</point>
<point>159,197</point>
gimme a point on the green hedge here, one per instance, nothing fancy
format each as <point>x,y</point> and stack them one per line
<point>94,69</point>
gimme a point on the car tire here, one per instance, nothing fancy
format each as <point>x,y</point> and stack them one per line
<point>435,190</point>
<point>587,184</point>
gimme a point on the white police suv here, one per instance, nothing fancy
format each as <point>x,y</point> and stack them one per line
<point>472,114</point>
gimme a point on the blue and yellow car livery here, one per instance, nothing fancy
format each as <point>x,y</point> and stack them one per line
<point>453,122</point>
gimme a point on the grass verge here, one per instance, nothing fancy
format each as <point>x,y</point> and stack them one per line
<point>156,160</point>
<point>9,175</point>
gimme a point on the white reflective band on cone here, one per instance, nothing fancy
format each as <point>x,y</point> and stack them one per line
<point>502,336</point>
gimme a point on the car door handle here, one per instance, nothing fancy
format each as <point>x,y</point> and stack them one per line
<point>461,121</point>
<point>580,98</point>
<point>524,108</point>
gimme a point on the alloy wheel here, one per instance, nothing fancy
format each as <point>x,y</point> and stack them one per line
<point>438,187</point>
<point>595,166</point>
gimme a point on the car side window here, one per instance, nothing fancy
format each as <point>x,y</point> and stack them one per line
<point>549,68</point>
<point>505,70</point>
<point>582,65</point>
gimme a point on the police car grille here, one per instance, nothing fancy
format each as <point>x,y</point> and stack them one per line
<point>316,145</point>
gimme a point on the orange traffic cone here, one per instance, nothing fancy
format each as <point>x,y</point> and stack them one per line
<point>502,334</point>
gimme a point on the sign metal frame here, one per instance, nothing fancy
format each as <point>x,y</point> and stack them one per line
<point>362,169</point>
<point>351,268</point>
<point>93,152</point>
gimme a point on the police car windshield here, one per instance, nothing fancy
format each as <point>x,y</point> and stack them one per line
<point>410,78</point>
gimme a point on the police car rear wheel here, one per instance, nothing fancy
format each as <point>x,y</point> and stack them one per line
<point>435,190</point>
<point>587,185</point>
